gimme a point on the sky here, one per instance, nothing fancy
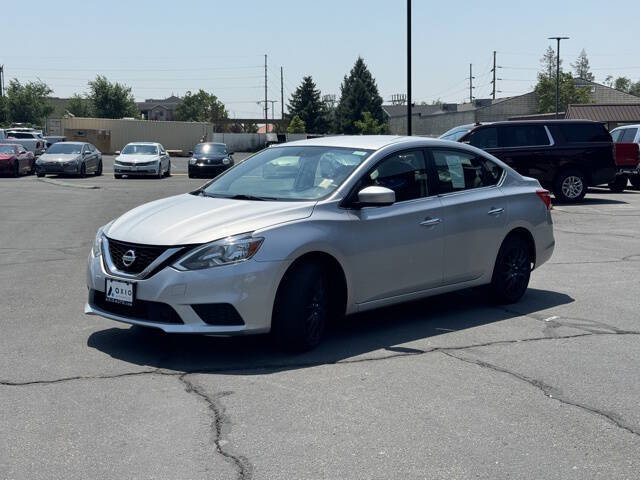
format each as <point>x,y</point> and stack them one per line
<point>161,48</point>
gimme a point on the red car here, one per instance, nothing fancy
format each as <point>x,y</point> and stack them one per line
<point>16,160</point>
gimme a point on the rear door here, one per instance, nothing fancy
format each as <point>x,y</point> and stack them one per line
<point>473,212</point>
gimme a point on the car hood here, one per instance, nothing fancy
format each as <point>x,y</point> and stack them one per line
<point>191,219</point>
<point>58,157</point>
<point>137,158</point>
<point>217,156</point>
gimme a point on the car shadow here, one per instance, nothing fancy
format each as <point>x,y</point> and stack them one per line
<point>385,329</point>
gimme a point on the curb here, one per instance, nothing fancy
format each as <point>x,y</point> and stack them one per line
<point>65,184</point>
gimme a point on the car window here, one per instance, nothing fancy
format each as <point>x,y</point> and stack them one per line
<point>582,132</point>
<point>19,135</point>
<point>616,134</point>
<point>405,173</point>
<point>484,138</point>
<point>464,171</point>
<point>629,135</point>
<point>523,136</point>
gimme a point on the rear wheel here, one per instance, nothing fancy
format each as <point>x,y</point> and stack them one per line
<point>39,174</point>
<point>117,176</point>
<point>512,270</point>
<point>301,308</point>
<point>635,180</point>
<point>570,186</point>
<point>619,184</point>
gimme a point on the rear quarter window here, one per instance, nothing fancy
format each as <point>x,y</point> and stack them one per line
<point>581,132</point>
<point>484,137</point>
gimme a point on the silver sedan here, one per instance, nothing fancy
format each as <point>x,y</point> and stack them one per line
<point>309,231</point>
<point>74,158</point>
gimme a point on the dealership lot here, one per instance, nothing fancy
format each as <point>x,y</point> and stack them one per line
<point>448,387</point>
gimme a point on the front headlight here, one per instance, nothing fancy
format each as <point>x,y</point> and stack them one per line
<point>226,161</point>
<point>221,252</point>
<point>96,250</point>
<point>192,161</point>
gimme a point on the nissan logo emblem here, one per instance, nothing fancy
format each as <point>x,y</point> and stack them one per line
<point>128,258</point>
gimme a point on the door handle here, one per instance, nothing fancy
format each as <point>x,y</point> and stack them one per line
<point>495,211</point>
<point>430,222</point>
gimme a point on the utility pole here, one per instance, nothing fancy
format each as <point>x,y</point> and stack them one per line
<point>282,92</point>
<point>558,72</point>
<point>1,81</point>
<point>409,129</point>
<point>493,92</point>
<point>266,105</point>
<point>471,87</point>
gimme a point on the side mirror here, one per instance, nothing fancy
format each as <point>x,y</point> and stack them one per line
<point>191,153</point>
<point>117,152</point>
<point>230,152</point>
<point>376,197</point>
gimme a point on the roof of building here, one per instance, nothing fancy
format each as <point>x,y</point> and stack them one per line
<point>606,112</point>
<point>169,103</point>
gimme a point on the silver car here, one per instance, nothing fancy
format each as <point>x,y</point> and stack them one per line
<point>74,158</point>
<point>308,231</point>
<point>142,158</point>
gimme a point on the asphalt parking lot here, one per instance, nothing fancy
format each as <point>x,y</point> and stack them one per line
<point>449,387</point>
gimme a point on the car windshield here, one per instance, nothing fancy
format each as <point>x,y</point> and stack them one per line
<point>7,149</point>
<point>133,149</point>
<point>65,148</point>
<point>210,149</point>
<point>289,173</point>
<point>455,134</point>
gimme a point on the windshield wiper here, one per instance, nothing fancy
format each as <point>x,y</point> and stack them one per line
<point>250,197</point>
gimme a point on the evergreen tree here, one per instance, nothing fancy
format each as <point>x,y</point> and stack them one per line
<point>369,125</point>
<point>548,61</point>
<point>582,68</point>
<point>546,86</point>
<point>358,94</point>
<point>296,125</point>
<point>306,103</point>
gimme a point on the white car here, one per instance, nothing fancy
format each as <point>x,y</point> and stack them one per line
<point>142,158</point>
<point>311,230</point>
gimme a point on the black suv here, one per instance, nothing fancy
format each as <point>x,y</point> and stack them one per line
<point>565,156</point>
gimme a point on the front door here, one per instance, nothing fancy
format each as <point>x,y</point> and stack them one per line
<point>397,249</point>
<point>473,212</point>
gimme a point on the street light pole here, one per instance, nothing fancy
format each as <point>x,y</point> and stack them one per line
<point>558,71</point>
<point>409,129</point>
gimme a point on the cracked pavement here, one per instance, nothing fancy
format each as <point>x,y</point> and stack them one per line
<point>448,387</point>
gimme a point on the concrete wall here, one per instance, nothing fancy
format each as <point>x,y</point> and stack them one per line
<point>431,125</point>
<point>173,135</point>
<point>526,104</point>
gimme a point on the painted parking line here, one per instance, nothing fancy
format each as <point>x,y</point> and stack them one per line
<point>172,174</point>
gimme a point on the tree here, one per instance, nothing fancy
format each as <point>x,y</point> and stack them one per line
<point>296,125</point>
<point>569,93</point>
<point>202,107</point>
<point>250,128</point>
<point>582,68</point>
<point>635,89</point>
<point>358,94</point>
<point>548,61</point>
<point>623,84</point>
<point>369,125</point>
<point>79,106</point>
<point>111,100</point>
<point>307,104</point>
<point>4,110</point>
<point>27,103</point>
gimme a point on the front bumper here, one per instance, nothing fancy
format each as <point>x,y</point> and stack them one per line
<point>136,169</point>
<point>6,167</point>
<point>207,170</point>
<point>58,167</point>
<point>249,287</point>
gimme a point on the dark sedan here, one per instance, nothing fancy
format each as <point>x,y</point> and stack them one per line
<point>15,160</point>
<point>209,160</point>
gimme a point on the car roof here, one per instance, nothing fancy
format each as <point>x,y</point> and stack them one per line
<point>540,122</point>
<point>635,125</point>
<point>70,143</point>
<point>143,143</point>
<point>364,142</point>
<point>10,144</point>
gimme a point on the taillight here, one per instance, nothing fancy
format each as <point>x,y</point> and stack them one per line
<point>38,145</point>
<point>545,196</point>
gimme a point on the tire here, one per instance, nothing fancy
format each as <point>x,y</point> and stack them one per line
<point>168,172</point>
<point>619,184</point>
<point>98,171</point>
<point>635,180</point>
<point>83,170</point>
<point>570,186</point>
<point>33,168</point>
<point>16,169</point>
<point>160,174</point>
<point>512,271</point>
<point>39,174</point>
<point>301,308</point>
<point>117,176</point>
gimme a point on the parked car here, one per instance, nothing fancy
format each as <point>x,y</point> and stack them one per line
<point>209,160</point>
<point>15,159</point>
<point>51,139</point>
<point>456,133</point>
<point>566,156</point>
<point>366,221</point>
<point>74,158</point>
<point>622,135</point>
<point>142,158</point>
<point>31,140</point>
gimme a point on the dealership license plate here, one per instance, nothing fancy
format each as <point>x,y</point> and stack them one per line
<point>117,291</point>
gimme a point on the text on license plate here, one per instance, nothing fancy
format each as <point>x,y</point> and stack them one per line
<point>119,292</point>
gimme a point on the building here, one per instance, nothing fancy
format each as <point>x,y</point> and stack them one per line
<point>614,115</point>
<point>156,109</point>
<point>434,120</point>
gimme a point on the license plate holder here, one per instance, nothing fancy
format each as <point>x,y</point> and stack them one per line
<point>120,292</point>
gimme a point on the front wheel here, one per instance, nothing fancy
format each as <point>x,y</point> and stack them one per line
<point>117,176</point>
<point>635,180</point>
<point>39,174</point>
<point>301,308</point>
<point>99,169</point>
<point>570,186</point>
<point>83,170</point>
<point>16,169</point>
<point>512,271</point>
<point>168,173</point>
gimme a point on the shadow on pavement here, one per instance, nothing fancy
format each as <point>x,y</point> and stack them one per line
<point>359,334</point>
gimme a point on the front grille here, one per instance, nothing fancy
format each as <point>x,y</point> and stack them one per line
<point>141,309</point>
<point>218,314</point>
<point>145,255</point>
